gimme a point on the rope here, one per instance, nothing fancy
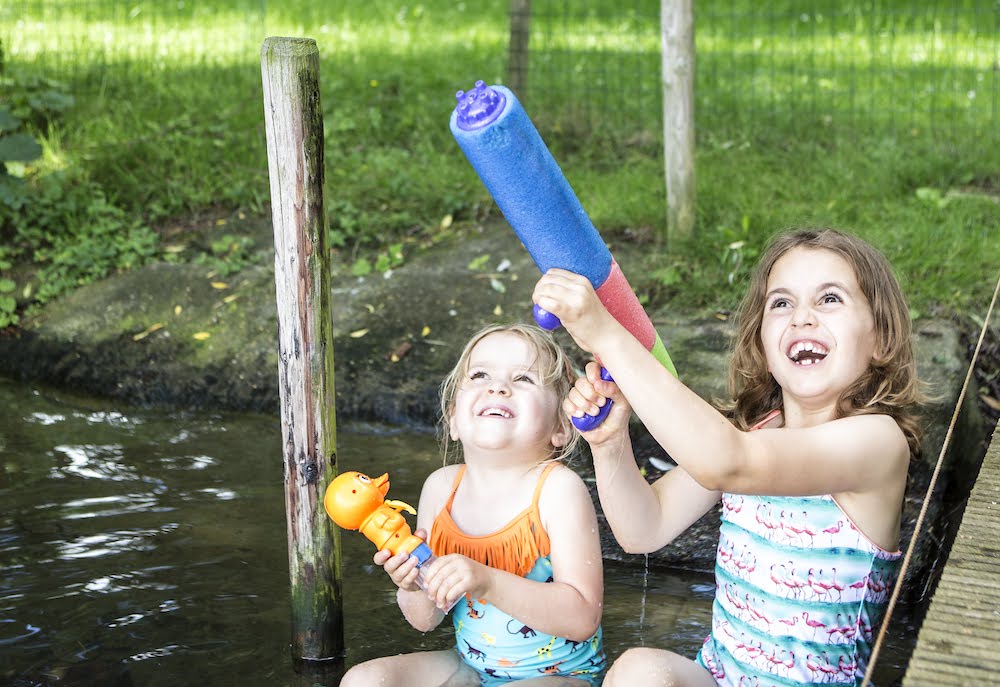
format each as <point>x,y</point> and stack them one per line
<point>930,489</point>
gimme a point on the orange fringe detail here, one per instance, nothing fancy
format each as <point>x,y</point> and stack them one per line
<point>514,548</point>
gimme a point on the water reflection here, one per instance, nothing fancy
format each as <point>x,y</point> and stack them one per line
<point>148,548</point>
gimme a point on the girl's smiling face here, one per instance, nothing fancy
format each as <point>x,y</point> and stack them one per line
<point>504,401</point>
<point>817,329</point>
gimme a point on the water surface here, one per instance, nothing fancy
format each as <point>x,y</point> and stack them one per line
<point>142,547</point>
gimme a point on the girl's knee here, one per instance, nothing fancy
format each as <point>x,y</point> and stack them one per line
<point>644,666</point>
<point>364,675</point>
<point>631,668</point>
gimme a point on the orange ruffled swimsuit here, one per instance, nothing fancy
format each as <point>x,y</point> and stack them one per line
<point>498,646</point>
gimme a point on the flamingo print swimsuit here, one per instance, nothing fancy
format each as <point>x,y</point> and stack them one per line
<point>799,590</point>
<point>499,647</point>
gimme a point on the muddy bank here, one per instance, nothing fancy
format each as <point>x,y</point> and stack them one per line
<point>179,335</point>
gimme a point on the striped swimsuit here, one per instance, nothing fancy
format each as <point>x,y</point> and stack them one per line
<point>799,590</point>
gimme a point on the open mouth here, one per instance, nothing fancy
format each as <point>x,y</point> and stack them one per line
<point>807,352</point>
<point>496,412</point>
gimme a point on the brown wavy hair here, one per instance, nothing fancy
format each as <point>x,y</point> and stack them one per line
<point>553,364</point>
<point>889,386</point>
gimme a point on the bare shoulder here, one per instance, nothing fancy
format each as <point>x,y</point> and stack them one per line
<point>442,477</point>
<point>877,442</point>
<point>563,486</point>
<point>565,477</point>
<point>882,430</point>
<point>437,487</point>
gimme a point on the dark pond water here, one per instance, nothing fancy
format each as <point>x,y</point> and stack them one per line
<point>148,548</point>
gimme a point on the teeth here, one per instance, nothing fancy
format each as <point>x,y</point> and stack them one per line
<point>496,412</point>
<point>815,350</point>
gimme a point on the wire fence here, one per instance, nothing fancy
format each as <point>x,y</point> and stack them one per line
<point>874,65</point>
<point>893,66</point>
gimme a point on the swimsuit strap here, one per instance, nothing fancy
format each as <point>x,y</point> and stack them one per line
<point>454,487</point>
<point>767,418</point>
<point>534,499</point>
<point>515,547</point>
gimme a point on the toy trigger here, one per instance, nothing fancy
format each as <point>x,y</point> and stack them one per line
<point>401,505</point>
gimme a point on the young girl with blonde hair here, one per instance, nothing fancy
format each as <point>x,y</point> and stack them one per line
<point>514,530</point>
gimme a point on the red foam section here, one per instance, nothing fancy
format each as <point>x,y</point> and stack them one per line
<point>618,297</point>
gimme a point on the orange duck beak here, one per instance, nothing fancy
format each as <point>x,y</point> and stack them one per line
<point>382,484</point>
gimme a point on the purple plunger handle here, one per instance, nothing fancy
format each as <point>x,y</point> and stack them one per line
<point>550,322</point>
<point>545,319</point>
<point>589,422</point>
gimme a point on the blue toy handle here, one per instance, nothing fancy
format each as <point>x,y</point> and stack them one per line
<point>589,422</point>
<point>423,554</point>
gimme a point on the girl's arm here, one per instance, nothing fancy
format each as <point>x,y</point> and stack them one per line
<point>569,606</point>
<point>643,517</point>
<point>417,607</point>
<point>864,453</point>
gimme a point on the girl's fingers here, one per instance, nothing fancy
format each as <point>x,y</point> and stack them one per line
<point>583,399</point>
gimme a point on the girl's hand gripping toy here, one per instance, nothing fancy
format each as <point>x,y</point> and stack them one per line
<point>520,173</point>
<point>355,501</point>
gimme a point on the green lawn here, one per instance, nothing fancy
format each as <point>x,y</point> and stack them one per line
<point>884,123</point>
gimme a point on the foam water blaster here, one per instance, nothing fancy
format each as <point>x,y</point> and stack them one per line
<point>508,154</point>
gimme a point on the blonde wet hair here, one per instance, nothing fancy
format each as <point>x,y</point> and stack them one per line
<point>555,370</point>
<point>888,386</point>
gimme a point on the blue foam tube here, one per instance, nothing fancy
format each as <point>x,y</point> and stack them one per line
<point>530,189</point>
<point>527,184</point>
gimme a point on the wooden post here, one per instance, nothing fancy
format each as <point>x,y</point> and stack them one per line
<point>517,49</point>
<point>677,32</point>
<point>294,127</point>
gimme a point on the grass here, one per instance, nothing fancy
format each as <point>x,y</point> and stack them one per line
<point>883,123</point>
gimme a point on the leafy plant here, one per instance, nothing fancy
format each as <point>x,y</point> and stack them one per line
<point>74,235</point>
<point>15,147</point>
<point>230,254</point>
<point>738,251</point>
<point>385,262</point>
<point>8,304</point>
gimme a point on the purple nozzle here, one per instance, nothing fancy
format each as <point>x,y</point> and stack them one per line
<point>478,107</point>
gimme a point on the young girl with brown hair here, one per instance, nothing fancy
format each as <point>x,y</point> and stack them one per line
<point>810,469</point>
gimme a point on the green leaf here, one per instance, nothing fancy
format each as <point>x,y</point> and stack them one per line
<point>19,147</point>
<point>361,268</point>
<point>8,122</point>
<point>12,191</point>
<point>478,263</point>
<point>668,276</point>
<point>51,101</point>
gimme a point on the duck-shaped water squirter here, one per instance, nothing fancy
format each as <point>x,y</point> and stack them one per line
<point>356,501</point>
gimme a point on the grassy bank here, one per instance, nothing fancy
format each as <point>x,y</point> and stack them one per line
<point>166,129</point>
